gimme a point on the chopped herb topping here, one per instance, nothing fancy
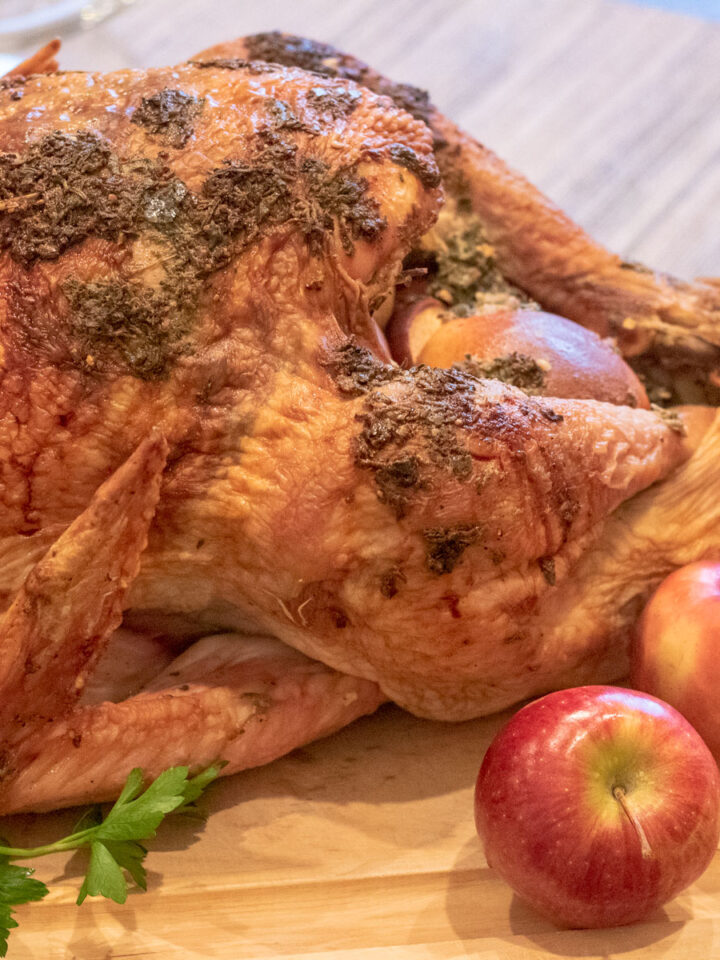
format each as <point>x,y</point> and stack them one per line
<point>356,371</point>
<point>283,117</point>
<point>514,368</point>
<point>547,568</point>
<point>402,436</point>
<point>320,58</point>
<point>424,168</point>
<point>445,546</point>
<point>671,418</point>
<point>332,101</point>
<point>466,267</point>
<point>127,322</point>
<point>460,261</point>
<point>67,188</point>
<point>232,63</point>
<point>169,114</point>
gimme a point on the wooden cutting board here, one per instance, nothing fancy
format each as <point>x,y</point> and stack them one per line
<point>362,846</point>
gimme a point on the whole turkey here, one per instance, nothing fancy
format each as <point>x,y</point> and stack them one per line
<point>201,424</point>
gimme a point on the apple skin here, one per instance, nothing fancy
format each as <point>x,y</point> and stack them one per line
<point>677,649</point>
<point>580,364</point>
<point>555,831</point>
<point>414,320</point>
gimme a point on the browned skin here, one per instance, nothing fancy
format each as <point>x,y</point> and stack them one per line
<point>664,322</point>
<point>62,617</point>
<point>243,700</point>
<point>42,61</point>
<point>204,262</point>
<point>65,740</point>
<point>143,323</point>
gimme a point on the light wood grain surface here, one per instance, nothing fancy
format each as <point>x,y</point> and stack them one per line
<point>362,846</point>
<point>358,847</point>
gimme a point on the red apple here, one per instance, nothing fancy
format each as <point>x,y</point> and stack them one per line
<point>414,320</point>
<point>576,361</point>
<point>677,650</point>
<point>597,805</point>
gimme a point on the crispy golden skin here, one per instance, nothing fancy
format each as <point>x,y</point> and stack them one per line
<point>57,625</point>
<point>244,700</point>
<point>61,619</point>
<point>65,741</point>
<point>198,249</point>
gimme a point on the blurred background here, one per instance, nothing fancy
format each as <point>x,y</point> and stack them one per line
<point>610,107</point>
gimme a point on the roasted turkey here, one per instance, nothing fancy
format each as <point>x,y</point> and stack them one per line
<point>201,424</point>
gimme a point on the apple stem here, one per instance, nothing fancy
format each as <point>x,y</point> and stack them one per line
<point>621,797</point>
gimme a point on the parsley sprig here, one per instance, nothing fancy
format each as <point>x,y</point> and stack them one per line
<point>114,842</point>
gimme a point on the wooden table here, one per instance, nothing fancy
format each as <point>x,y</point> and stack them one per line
<point>362,846</point>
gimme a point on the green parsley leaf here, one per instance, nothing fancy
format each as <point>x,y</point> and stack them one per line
<point>114,842</point>
<point>197,785</point>
<point>137,817</point>
<point>130,856</point>
<point>133,786</point>
<point>104,876</point>
<point>16,886</point>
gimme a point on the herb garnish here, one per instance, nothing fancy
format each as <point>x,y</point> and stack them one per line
<point>114,843</point>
